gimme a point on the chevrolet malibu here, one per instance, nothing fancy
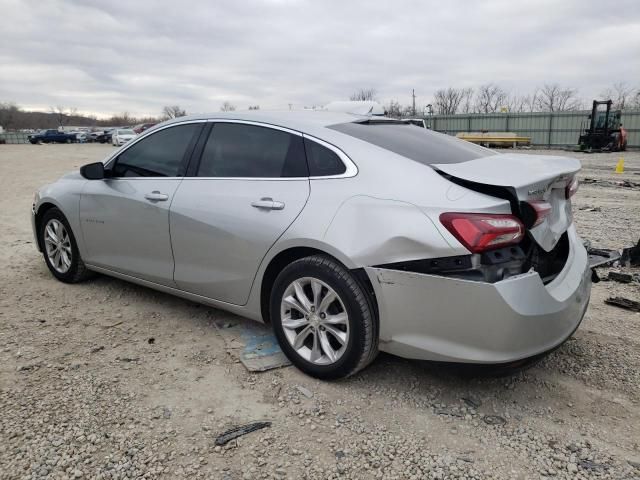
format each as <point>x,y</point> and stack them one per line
<point>347,234</point>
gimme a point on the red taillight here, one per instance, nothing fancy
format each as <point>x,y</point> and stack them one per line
<point>572,188</point>
<point>542,209</point>
<point>483,231</point>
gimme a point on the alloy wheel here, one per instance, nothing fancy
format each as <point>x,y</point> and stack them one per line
<point>315,321</point>
<point>58,245</point>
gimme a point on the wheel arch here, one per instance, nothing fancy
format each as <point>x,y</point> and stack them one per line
<point>290,255</point>
<point>43,208</point>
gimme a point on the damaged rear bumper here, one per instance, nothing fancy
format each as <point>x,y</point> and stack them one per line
<point>432,317</point>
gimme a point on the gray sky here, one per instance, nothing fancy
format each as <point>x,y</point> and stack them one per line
<point>107,56</point>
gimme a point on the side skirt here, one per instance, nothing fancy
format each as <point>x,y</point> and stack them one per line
<point>229,307</point>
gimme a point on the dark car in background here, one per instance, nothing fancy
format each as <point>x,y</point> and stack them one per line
<point>52,136</point>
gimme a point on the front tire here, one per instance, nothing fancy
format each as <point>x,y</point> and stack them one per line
<point>324,320</point>
<point>60,249</point>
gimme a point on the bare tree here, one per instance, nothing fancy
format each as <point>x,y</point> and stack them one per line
<point>490,98</point>
<point>62,114</point>
<point>227,107</point>
<point>364,94</point>
<point>634,101</point>
<point>393,109</point>
<point>621,94</point>
<point>173,111</point>
<point>554,98</point>
<point>466,104</point>
<point>446,101</point>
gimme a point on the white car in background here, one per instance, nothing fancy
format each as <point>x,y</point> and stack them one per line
<point>121,136</point>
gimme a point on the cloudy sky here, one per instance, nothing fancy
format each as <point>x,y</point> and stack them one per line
<point>110,56</point>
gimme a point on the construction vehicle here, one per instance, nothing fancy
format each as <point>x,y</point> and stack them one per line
<point>605,132</point>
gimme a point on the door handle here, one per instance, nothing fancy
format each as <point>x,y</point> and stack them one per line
<point>268,203</point>
<point>156,196</point>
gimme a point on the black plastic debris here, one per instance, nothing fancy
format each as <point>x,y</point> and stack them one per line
<point>631,256</point>
<point>494,420</point>
<point>151,341</point>
<point>599,257</point>
<point>620,277</point>
<point>236,432</point>
<point>623,303</point>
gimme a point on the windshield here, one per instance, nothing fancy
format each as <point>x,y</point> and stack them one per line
<point>418,144</point>
<point>126,132</point>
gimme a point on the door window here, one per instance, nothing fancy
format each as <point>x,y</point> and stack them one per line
<point>322,161</point>
<point>159,155</point>
<point>241,150</point>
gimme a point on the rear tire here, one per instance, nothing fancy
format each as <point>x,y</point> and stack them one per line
<point>332,332</point>
<point>60,249</point>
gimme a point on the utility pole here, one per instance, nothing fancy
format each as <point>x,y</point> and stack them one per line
<point>413,96</point>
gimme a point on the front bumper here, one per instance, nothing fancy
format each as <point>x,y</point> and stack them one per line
<point>431,317</point>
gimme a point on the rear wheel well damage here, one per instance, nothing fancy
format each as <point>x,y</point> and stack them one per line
<point>284,258</point>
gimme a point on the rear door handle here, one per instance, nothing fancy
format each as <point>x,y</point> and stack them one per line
<point>156,196</point>
<point>268,203</point>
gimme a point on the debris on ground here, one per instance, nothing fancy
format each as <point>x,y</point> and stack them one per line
<point>236,432</point>
<point>623,303</point>
<point>304,391</point>
<point>494,420</point>
<point>631,256</point>
<point>587,208</point>
<point>620,277</point>
<point>599,257</point>
<point>611,183</point>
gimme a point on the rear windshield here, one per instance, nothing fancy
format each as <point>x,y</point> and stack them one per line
<point>416,143</point>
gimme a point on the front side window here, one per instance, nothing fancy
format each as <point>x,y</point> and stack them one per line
<point>245,151</point>
<point>158,155</point>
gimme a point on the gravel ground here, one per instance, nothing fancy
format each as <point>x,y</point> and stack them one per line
<point>110,380</point>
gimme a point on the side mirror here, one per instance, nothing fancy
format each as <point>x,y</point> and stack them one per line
<point>93,171</point>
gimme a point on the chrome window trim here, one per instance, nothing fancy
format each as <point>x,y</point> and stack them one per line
<point>351,168</point>
<point>144,135</point>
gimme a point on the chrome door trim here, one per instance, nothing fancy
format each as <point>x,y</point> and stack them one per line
<point>144,135</point>
<point>351,168</point>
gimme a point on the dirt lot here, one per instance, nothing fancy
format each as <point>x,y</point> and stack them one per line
<point>86,393</point>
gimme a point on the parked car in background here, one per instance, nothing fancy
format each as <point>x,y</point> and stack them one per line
<point>120,136</point>
<point>81,137</point>
<point>52,136</point>
<point>142,127</point>
<point>347,234</point>
<point>105,135</point>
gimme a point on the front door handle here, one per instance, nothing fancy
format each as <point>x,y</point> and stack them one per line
<point>268,203</point>
<point>156,196</point>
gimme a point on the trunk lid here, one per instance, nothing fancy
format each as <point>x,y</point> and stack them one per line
<point>525,178</point>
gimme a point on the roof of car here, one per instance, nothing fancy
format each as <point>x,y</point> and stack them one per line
<point>293,119</point>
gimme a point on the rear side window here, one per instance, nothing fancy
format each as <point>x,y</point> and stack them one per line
<point>418,144</point>
<point>158,155</point>
<point>240,150</point>
<point>322,161</point>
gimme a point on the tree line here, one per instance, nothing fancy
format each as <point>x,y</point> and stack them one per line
<point>13,117</point>
<point>492,98</point>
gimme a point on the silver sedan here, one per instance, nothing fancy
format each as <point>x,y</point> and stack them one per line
<point>348,234</point>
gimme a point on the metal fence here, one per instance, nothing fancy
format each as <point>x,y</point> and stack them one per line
<point>558,129</point>
<point>14,137</point>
